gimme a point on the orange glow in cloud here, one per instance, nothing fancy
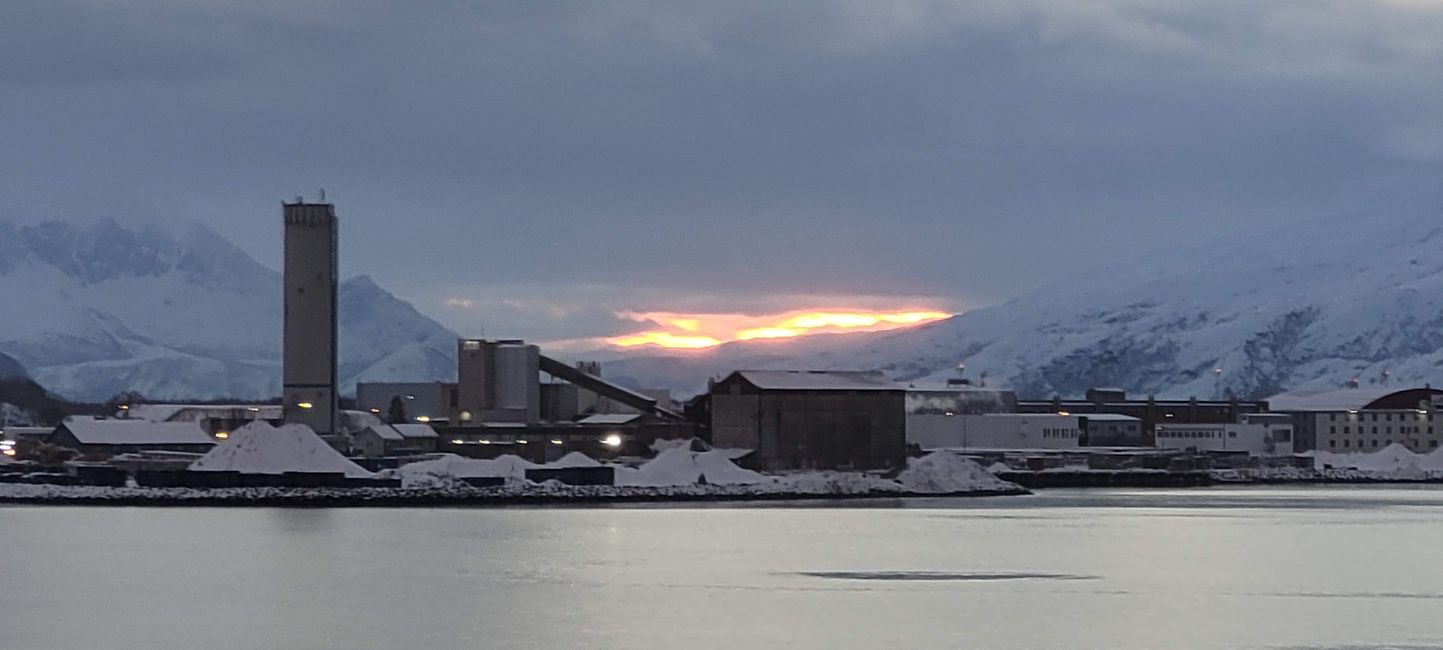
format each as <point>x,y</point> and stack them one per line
<point>697,331</point>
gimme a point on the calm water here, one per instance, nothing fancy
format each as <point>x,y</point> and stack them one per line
<point>1281,567</point>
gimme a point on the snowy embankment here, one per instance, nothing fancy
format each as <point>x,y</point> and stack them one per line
<point>1394,463</point>
<point>674,475</point>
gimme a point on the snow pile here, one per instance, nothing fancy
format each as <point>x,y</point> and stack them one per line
<point>678,465</point>
<point>444,470</point>
<point>943,472</point>
<point>574,459</point>
<point>1393,461</point>
<point>259,448</point>
<point>999,467</point>
<point>690,444</point>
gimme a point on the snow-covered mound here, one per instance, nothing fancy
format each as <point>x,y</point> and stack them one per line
<point>97,309</point>
<point>945,472</point>
<point>574,459</point>
<point>441,471</point>
<point>259,448</point>
<point>1393,461</point>
<point>1305,306</point>
<point>679,465</point>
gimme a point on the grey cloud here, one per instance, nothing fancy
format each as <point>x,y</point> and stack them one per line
<point>725,156</point>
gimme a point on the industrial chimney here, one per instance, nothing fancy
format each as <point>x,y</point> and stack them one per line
<point>309,348</point>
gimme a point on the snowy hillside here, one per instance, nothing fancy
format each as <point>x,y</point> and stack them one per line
<point>96,309</point>
<point>1313,305</point>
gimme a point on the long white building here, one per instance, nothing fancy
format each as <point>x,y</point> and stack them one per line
<point>1261,434</point>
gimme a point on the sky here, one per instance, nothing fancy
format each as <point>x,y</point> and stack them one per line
<point>551,170</point>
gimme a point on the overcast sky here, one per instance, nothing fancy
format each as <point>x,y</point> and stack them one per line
<point>535,167</point>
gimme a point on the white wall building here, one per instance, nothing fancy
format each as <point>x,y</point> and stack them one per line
<point>1364,419</point>
<point>1262,434</point>
<point>994,431</point>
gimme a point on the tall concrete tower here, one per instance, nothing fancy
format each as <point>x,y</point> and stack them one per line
<point>309,349</point>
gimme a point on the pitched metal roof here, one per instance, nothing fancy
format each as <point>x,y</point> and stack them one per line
<point>610,418</point>
<point>1343,399</point>
<point>415,430</point>
<point>819,380</point>
<point>90,431</point>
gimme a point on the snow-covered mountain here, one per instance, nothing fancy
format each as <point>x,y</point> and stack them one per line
<point>1311,305</point>
<point>95,309</point>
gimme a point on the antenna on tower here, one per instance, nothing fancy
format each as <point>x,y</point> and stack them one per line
<point>323,195</point>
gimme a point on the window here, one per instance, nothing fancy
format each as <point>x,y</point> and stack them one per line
<point>1345,430</point>
<point>1375,443</point>
<point>1375,430</point>
<point>1332,417</point>
<point>1388,417</point>
<point>1232,434</point>
<point>1332,443</point>
<point>1433,443</point>
<point>1345,443</point>
<point>1332,429</point>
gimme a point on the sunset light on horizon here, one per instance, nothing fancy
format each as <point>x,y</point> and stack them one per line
<point>700,331</point>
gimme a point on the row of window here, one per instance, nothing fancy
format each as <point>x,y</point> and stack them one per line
<point>1166,433</point>
<point>1347,444</point>
<point>1386,430</point>
<point>1387,417</point>
<point>1058,434</point>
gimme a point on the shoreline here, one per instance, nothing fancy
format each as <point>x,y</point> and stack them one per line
<point>423,498</point>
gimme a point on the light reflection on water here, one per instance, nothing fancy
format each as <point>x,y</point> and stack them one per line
<point>1237,567</point>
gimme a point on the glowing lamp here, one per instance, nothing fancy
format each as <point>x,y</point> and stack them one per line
<point>305,405</point>
<point>612,440</point>
<point>221,435</point>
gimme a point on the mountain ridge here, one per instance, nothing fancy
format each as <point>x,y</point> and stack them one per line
<point>1308,305</point>
<point>181,313</point>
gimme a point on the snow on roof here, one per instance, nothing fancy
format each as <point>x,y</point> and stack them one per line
<point>174,412</point>
<point>415,430</point>
<point>1108,417</point>
<point>610,418</point>
<point>89,431</point>
<point>259,448</point>
<point>818,380</point>
<point>1343,399</point>
<point>386,432</point>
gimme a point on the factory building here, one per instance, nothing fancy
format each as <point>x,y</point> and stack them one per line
<point>497,381</point>
<point>1021,430</point>
<point>811,419</point>
<point>1362,419</point>
<point>1259,434</point>
<point>107,437</point>
<point>1150,411</point>
<point>308,381</point>
<point>395,440</point>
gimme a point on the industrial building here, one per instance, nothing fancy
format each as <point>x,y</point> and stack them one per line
<point>395,440</point>
<point>308,384</point>
<point>1150,411</point>
<point>1021,430</point>
<point>107,437</point>
<point>1259,434</point>
<point>1362,419</point>
<point>811,419</point>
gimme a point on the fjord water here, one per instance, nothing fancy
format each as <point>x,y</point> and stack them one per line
<point>1254,567</point>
